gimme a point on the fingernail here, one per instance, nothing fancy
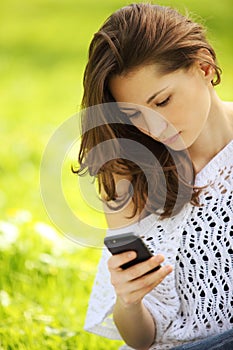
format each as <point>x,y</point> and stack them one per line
<point>159,258</point>
<point>169,267</point>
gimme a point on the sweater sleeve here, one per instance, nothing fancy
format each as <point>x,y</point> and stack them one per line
<point>99,318</point>
<point>99,314</point>
<point>162,302</point>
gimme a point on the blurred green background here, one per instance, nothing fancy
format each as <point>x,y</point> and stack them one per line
<point>45,279</point>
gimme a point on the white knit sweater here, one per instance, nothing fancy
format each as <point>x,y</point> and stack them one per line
<point>196,299</point>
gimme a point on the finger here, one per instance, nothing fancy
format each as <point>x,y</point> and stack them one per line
<point>117,260</point>
<point>135,291</point>
<point>152,280</point>
<point>142,268</point>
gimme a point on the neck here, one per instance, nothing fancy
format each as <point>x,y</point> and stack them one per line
<point>216,134</point>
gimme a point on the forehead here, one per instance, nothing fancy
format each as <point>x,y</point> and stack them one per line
<point>139,84</point>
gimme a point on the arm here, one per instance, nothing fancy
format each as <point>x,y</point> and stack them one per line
<point>131,317</point>
<point>134,322</point>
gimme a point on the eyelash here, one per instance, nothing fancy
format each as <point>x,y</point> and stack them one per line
<point>163,103</point>
<point>134,115</point>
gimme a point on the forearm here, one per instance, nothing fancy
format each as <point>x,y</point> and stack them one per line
<point>135,324</point>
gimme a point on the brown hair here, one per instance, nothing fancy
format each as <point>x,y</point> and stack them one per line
<point>133,36</point>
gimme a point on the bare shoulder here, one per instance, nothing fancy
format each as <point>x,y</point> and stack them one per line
<point>229,107</point>
<point>119,213</point>
<point>229,111</point>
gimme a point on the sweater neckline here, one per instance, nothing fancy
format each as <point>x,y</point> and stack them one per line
<point>220,160</point>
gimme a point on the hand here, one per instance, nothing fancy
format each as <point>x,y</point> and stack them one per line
<point>131,285</point>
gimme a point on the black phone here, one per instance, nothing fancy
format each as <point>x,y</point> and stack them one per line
<point>124,242</point>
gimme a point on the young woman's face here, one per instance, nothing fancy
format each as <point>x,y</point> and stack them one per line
<point>171,108</point>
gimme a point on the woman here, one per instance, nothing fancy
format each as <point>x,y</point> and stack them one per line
<point>158,71</point>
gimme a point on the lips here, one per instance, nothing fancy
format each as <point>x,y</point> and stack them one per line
<point>171,139</point>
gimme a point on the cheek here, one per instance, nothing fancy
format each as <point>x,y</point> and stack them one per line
<point>193,106</point>
<point>179,112</point>
<point>202,106</point>
<point>200,94</point>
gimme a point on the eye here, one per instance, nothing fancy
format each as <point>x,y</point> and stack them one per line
<point>164,102</point>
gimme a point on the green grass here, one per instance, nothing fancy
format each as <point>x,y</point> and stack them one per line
<point>46,279</point>
<point>44,288</point>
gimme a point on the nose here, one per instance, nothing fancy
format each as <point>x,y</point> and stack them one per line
<point>152,123</point>
<point>156,127</point>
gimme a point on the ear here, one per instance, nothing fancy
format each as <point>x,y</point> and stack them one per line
<point>206,68</point>
<point>208,71</point>
<point>204,63</point>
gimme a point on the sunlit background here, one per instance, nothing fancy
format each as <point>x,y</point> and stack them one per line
<point>45,279</point>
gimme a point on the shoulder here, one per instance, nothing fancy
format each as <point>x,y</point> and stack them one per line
<point>229,104</point>
<point>229,110</point>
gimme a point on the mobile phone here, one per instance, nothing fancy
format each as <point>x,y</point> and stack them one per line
<point>121,243</point>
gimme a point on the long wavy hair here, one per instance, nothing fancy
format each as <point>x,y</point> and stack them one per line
<point>136,35</point>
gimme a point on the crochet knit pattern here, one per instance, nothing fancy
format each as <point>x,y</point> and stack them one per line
<point>196,299</point>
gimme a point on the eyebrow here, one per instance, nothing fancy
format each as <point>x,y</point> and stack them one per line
<point>148,101</point>
<point>156,94</point>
